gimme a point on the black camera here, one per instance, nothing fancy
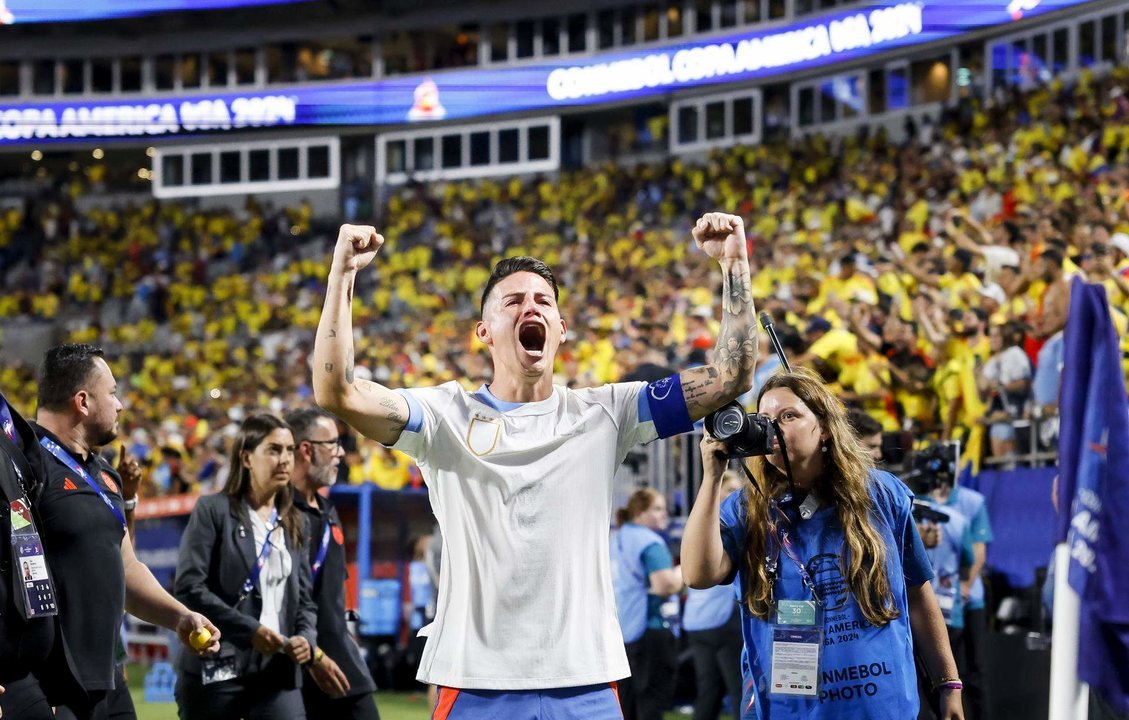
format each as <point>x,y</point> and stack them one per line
<point>923,511</point>
<point>744,434</point>
<point>931,468</point>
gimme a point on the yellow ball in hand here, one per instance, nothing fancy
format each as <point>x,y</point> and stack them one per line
<point>199,639</point>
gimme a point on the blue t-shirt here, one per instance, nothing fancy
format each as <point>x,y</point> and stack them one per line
<point>953,552</point>
<point>636,552</point>
<point>971,504</point>
<point>710,608</point>
<point>422,593</point>
<point>866,673</point>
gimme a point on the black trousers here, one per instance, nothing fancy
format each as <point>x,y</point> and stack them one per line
<point>116,704</point>
<point>24,699</point>
<point>717,667</point>
<point>977,703</point>
<point>248,697</point>
<point>648,693</point>
<point>353,707</point>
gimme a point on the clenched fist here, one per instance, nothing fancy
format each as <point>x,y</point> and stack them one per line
<point>721,236</point>
<point>356,247</point>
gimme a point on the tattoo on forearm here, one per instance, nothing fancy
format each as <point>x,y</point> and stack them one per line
<point>738,294</point>
<point>332,334</point>
<point>349,372</point>
<point>329,367</point>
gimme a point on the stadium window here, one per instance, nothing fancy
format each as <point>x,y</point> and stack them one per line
<point>876,96</point>
<point>245,66</point>
<point>451,46</point>
<point>727,17</point>
<point>652,22</point>
<point>73,77</point>
<point>1039,51</point>
<point>164,68</point>
<point>687,124</point>
<point>577,33</point>
<point>317,161</point>
<point>258,165</point>
<point>172,170</point>
<point>395,53</point>
<point>538,142</point>
<point>201,168</point>
<point>715,120</point>
<point>423,150</point>
<point>288,167</point>
<point>101,75</point>
<point>231,169</point>
<point>451,151</point>
<point>826,101</point>
<point>703,15</point>
<point>550,36</point>
<point>43,77</point>
<point>361,53</point>
<point>480,148</point>
<point>674,15</point>
<point>10,77</point>
<point>509,145</point>
<point>525,32</point>
<point>806,101</point>
<point>777,9</point>
<point>219,64</point>
<point>605,29</point>
<point>1087,47</point>
<point>932,80</point>
<point>1109,38</point>
<point>1060,50</point>
<point>628,31</point>
<point>897,89</point>
<point>743,122</point>
<point>499,43</point>
<point>803,7</point>
<point>189,70</point>
<point>281,61</point>
<point>129,71</point>
<point>750,11</point>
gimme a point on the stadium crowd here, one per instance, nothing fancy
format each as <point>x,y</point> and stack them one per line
<point>926,280</point>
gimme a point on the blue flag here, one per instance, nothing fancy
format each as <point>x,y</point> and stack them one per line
<point>1094,491</point>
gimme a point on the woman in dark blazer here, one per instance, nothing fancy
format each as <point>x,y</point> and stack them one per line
<point>258,595</point>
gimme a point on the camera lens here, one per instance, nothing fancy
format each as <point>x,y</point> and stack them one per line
<point>727,422</point>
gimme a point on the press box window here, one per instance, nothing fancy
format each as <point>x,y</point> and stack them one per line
<point>687,124</point>
<point>258,165</point>
<point>9,78</point>
<point>509,146</point>
<point>230,167</point>
<point>201,168</point>
<point>423,150</point>
<point>480,148</point>
<point>172,170</point>
<point>288,164</point>
<point>73,77</point>
<point>317,161</point>
<point>130,71</point>
<point>102,75</point>
<point>539,142</point>
<point>452,151</point>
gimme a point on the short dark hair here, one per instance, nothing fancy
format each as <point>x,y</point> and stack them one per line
<point>862,423</point>
<point>509,266</point>
<point>302,421</point>
<point>65,370</point>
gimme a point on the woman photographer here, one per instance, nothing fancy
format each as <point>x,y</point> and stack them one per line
<point>243,562</point>
<point>833,576</point>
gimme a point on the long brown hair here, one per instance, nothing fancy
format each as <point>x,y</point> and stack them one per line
<point>251,434</point>
<point>845,483</point>
<point>639,502</point>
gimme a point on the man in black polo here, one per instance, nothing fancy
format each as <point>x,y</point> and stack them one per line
<point>27,622</point>
<point>84,533</point>
<point>341,686</point>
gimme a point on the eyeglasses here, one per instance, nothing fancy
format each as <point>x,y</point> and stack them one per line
<point>325,442</point>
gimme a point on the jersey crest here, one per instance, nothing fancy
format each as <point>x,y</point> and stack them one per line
<point>482,435</point>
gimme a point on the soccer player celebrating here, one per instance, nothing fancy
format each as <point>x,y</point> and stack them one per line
<point>519,475</point>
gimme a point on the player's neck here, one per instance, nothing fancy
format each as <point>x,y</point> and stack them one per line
<point>71,435</point>
<point>521,390</point>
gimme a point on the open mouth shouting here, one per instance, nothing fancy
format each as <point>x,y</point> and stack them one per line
<point>531,335</point>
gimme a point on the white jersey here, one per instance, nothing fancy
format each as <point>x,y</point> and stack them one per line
<point>524,501</point>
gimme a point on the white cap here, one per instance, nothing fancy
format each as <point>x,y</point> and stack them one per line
<point>1121,242</point>
<point>995,292</point>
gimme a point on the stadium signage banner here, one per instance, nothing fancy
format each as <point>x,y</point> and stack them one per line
<point>817,42</point>
<point>22,12</point>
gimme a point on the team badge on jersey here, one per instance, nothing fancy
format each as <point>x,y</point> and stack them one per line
<point>482,435</point>
<point>109,481</point>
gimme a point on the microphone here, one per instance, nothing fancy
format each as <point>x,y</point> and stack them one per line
<point>766,323</point>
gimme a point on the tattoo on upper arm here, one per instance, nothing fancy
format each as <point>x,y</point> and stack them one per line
<point>329,367</point>
<point>390,404</point>
<point>332,334</point>
<point>349,372</point>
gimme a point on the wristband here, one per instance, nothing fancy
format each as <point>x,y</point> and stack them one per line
<point>946,683</point>
<point>131,504</point>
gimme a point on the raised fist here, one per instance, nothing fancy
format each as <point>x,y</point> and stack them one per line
<point>356,247</point>
<point>721,236</point>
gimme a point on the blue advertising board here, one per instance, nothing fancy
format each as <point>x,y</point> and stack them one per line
<point>21,12</point>
<point>818,42</point>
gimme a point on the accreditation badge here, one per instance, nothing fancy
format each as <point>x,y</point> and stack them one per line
<point>797,641</point>
<point>29,562</point>
<point>216,669</point>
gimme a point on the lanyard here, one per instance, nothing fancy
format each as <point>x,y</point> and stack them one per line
<point>6,421</point>
<point>264,553</point>
<point>779,540</point>
<point>322,550</point>
<point>64,457</point>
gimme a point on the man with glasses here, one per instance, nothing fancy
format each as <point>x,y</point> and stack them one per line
<point>337,683</point>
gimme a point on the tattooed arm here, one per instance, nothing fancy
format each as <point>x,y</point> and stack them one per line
<point>372,409</point>
<point>707,388</point>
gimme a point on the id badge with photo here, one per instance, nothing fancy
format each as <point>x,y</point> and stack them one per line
<point>217,669</point>
<point>30,563</point>
<point>797,641</point>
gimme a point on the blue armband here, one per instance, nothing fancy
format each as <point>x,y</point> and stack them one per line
<point>663,403</point>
